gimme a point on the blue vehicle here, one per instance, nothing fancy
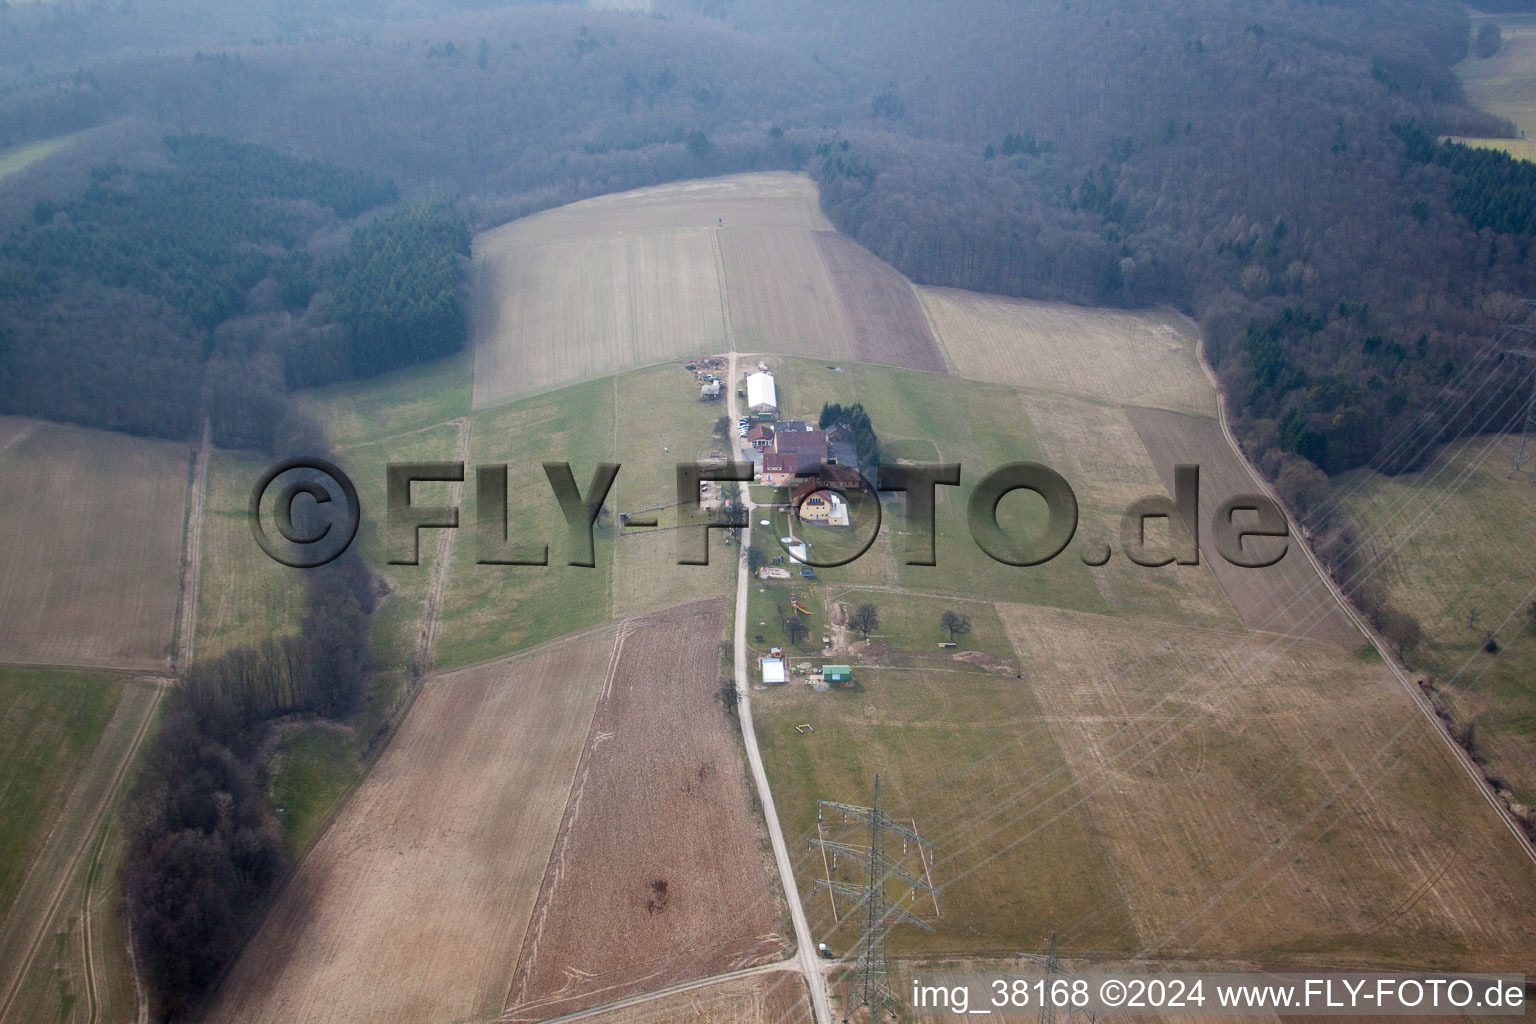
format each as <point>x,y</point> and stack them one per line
<point>808,573</point>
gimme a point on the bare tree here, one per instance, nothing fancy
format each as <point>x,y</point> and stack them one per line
<point>866,617</point>
<point>955,624</point>
<point>1401,630</point>
<point>794,626</point>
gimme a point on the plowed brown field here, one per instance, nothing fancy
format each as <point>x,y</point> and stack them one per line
<point>658,875</point>
<point>91,526</point>
<point>881,316</point>
<point>410,908</point>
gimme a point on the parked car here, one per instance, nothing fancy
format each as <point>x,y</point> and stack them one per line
<point>808,573</point>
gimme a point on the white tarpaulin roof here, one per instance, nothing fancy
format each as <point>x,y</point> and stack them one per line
<point>761,390</point>
<point>773,670</point>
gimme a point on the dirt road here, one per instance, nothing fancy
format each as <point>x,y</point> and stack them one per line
<point>34,916</point>
<point>805,947</point>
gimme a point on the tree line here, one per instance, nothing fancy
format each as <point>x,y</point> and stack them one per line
<point>205,853</point>
<point>854,420</point>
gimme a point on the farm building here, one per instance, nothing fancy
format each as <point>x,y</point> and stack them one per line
<point>760,437</point>
<point>779,470</point>
<point>709,390</point>
<point>836,674</point>
<point>762,394</point>
<point>809,445</point>
<point>827,478</point>
<point>773,670</point>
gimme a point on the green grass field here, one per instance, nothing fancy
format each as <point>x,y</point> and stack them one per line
<point>397,617</point>
<point>1452,540</point>
<point>364,412</point>
<point>646,421</point>
<point>243,596</point>
<point>316,767</point>
<point>49,724</point>
<point>944,740</point>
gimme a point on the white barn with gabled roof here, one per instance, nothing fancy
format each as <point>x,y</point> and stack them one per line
<point>762,394</point>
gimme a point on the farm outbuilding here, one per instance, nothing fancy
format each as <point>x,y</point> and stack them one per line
<point>762,393</point>
<point>773,670</point>
<point>836,673</point>
<point>710,389</point>
<point>779,470</point>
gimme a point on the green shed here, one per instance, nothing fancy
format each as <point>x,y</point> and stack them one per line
<point>836,673</point>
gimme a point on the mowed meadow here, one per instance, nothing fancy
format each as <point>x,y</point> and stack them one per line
<point>1449,544</point>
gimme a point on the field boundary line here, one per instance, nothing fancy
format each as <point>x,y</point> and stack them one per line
<point>787,966</point>
<point>725,312</point>
<point>438,673</point>
<point>116,670</point>
<point>21,435</point>
<point>441,558</point>
<point>97,817</point>
<point>1420,701</point>
<point>537,392</point>
<point>534,924</point>
<point>184,630</point>
<point>933,325</point>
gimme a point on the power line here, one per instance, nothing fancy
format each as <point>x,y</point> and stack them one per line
<point>871,978</point>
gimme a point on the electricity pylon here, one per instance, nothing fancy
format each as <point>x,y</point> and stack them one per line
<point>871,984</point>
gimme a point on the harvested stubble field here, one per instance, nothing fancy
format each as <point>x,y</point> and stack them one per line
<point>774,997</point>
<point>617,282</point>
<point>1135,358</point>
<point>780,294</point>
<point>1287,597</point>
<point>1450,543</point>
<point>563,311</point>
<point>659,873</point>
<point>634,279</point>
<point>1265,797</point>
<point>92,527</point>
<point>412,904</point>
